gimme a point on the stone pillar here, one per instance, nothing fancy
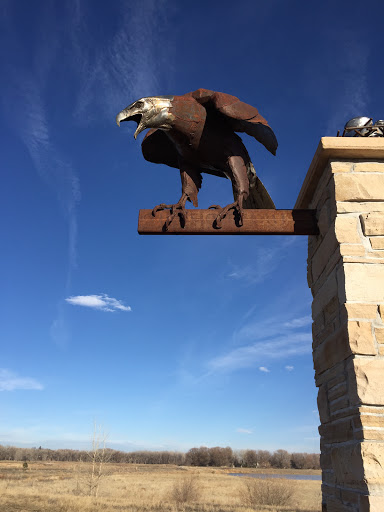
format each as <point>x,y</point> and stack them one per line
<point>345,184</point>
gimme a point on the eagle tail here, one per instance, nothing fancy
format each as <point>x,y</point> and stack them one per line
<point>258,196</point>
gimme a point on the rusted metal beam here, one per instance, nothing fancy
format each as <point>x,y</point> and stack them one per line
<point>256,222</point>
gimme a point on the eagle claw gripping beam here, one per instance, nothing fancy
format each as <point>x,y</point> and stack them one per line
<point>177,209</point>
<point>238,212</point>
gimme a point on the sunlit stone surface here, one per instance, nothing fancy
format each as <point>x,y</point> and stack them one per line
<point>345,184</point>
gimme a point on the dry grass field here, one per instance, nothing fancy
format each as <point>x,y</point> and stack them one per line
<point>60,487</point>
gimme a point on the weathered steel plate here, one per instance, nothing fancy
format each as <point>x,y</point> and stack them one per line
<point>256,222</point>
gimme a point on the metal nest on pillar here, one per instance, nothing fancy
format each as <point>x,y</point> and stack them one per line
<point>363,127</point>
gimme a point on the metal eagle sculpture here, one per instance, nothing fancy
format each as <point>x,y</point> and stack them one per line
<point>196,133</point>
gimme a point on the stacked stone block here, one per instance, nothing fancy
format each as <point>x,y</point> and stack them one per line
<point>346,277</point>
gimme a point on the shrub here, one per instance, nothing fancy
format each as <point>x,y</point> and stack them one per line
<point>185,491</point>
<point>263,491</point>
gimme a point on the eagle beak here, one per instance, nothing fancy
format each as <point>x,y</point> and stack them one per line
<point>132,114</point>
<point>120,117</point>
<point>140,128</point>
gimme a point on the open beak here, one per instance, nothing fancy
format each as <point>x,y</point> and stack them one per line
<point>129,114</point>
<point>120,117</point>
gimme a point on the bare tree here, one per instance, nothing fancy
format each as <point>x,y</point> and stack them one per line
<point>198,456</point>
<point>250,459</point>
<point>263,458</point>
<point>220,456</point>
<point>89,477</point>
<point>281,459</point>
<point>99,455</point>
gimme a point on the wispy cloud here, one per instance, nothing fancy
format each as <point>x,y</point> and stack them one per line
<point>102,302</point>
<point>27,103</point>
<point>352,90</point>
<point>289,368</point>
<point>59,174</point>
<point>272,349</point>
<point>266,260</point>
<point>264,369</point>
<point>59,329</point>
<point>262,328</point>
<point>128,66</point>
<point>10,381</point>
<point>244,431</point>
<point>53,168</point>
<point>299,322</point>
<point>262,342</point>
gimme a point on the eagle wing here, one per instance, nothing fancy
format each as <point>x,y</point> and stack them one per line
<point>158,149</point>
<point>240,116</point>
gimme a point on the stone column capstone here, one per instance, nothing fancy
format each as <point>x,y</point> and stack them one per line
<point>345,184</point>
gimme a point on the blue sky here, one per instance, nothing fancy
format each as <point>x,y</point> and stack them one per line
<point>169,342</point>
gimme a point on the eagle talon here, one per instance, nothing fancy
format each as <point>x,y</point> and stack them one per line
<point>161,207</point>
<point>238,213</point>
<point>177,209</point>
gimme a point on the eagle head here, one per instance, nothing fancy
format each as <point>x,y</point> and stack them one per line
<point>149,112</point>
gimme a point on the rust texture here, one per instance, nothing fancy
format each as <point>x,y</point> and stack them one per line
<point>196,134</point>
<point>255,222</point>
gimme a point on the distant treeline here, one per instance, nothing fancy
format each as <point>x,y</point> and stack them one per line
<point>217,456</point>
<point>202,456</point>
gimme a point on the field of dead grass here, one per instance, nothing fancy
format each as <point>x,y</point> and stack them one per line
<point>56,487</point>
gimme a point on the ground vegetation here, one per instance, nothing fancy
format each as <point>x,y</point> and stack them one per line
<point>52,486</point>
